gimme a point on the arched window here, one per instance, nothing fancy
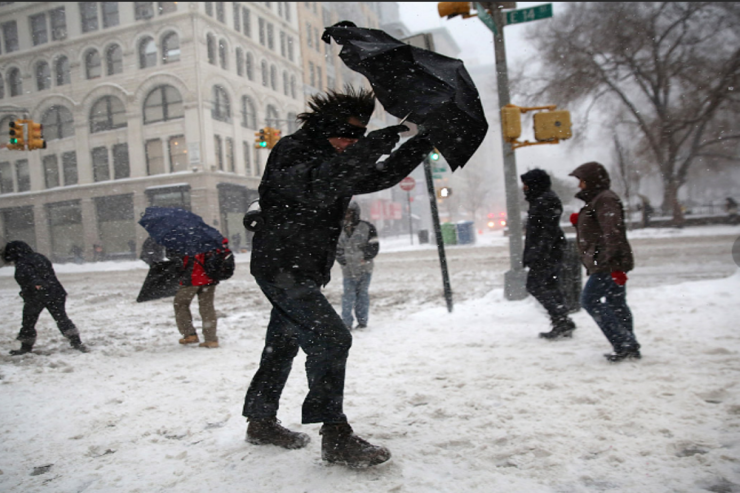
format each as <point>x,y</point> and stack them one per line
<point>93,67</point>
<point>163,103</point>
<point>114,60</point>
<point>170,48</point>
<point>274,77</point>
<point>2,89</point>
<point>61,67</point>
<point>15,82</point>
<point>286,83</point>
<point>58,123</point>
<point>221,107</point>
<point>265,73</point>
<point>249,115</point>
<point>273,117</point>
<point>107,113</point>
<point>292,86</point>
<point>211,45</point>
<point>147,53</point>
<point>239,62</point>
<point>43,76</point>
<point>222,54</point>
<point>292,123</point>
<point>250,66</point>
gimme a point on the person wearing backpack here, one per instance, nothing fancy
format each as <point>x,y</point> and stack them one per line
<point>201,273</point>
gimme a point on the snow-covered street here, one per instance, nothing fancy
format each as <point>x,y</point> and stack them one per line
<point>468,401</point>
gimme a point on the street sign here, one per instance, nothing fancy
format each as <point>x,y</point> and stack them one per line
<point>407,184</point>
<point>530,14</point>
<point>486,17</point>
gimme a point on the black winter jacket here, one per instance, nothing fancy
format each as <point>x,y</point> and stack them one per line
<point>304,194</point>
<point>545,240</point>
<point>33,269</point>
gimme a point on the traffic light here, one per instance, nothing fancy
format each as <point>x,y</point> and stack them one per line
<point>273,135</point>
<point>17,141</point>
<point>434,156</point>
<point>35,137</point>
<point>444,192</point>
<point>511,122</point>
<point>552,125</point>
<point>452,9</point>
<point>260,140</point>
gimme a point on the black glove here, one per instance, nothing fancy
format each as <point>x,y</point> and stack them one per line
<point>385,139</point>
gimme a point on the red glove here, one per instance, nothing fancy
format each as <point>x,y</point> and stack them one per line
<point>619,277</point>
<point>574,219</point>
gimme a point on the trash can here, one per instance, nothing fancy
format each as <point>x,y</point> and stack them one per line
<point>449,234</point>
<point>465,233</point>
<point>571,280</point>
<point>423,236</point>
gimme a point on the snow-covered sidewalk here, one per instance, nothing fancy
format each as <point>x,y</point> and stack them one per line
<point>467,401</point>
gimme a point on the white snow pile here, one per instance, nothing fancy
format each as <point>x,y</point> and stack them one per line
<point>468,401</point>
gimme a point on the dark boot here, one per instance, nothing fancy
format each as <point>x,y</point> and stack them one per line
<point>268,431</point>
<point>561,327</point>
<point>76,343</point>
<point>629,352</point>
<point>26,347</point>
<point>340,445</point>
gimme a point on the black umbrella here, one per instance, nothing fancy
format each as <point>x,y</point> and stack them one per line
<point>162,281</point>
<point>433,90</point>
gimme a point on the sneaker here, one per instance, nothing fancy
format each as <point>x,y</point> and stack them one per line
<point>25,348</point>
<point>191,339</point>
<point>560,329</point>
<point>361,326</point>
<point>209,344</point>
<point>623,354</point>
<point>76,343</point>
<point>339,445</point>
<point>268,431</point>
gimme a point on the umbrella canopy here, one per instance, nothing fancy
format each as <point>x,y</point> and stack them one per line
<point>434,90</point>
<point>180,230</point>
<point>162,281</point>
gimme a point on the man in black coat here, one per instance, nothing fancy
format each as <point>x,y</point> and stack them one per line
<point>309,180</point>
<point>543,251</point>
<point>40,289</point>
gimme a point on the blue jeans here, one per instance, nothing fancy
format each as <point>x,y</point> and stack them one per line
<point>606,302</point>
<point>302,318</point>
<point>356,298</point>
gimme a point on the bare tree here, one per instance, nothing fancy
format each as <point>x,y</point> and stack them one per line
<point>674,68</point>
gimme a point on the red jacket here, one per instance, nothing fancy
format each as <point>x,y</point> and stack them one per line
<point>194,274</point>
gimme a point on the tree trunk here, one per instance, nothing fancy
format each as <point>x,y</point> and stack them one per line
<point>671,203</point>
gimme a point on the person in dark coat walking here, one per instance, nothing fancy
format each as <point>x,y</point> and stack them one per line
<point>607,256</point>
<point>358,246</point>
<point>40,289</point>
<point>543,251</point>
<point>309,180</point>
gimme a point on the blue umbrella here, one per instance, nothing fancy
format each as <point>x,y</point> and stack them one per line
<point>180,230</point>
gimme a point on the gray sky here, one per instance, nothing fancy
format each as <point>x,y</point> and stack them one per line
<point>476,44</point>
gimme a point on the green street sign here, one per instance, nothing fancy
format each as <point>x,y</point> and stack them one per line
<point>530,14</point>
<point>485,17</point>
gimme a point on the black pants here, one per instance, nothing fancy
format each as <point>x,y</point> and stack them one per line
<point>303,318</point>
<point>32,308</point>
<point>543,283</point>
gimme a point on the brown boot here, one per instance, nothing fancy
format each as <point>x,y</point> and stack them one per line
<point>340,445</point>
<point>191,339</point>
<point>209,344</point>
<point>268,431</point>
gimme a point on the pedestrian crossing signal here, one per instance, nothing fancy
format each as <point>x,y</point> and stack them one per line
<point>35,137</point>
<point>444,192</point>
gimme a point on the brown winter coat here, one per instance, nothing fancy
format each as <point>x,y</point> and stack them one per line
<point>601,232</point>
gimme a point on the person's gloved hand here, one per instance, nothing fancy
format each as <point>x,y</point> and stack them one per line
<point>619,277</point>
<point>385,139</point>
<point>574,219</point>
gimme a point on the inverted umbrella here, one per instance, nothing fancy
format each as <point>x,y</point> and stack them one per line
<point>180,230</point>
<point>433,90</point>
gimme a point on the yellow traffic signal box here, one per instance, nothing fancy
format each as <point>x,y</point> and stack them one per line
<point>451,9</point>
<point>17,140</point>
<point>552,125</point>
<point>273,135</point>
<point>511,122</point>
<point>35,137</point>
<point>260,140</point>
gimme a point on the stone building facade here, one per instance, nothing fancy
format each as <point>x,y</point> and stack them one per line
<point>143,103</point>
